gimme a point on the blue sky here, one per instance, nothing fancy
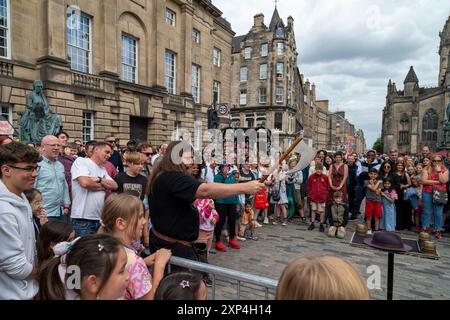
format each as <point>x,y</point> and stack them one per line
<point>351,48</point>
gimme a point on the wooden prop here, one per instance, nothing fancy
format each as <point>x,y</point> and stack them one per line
<point>282,158</point>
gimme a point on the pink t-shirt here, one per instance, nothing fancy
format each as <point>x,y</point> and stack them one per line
<point>140,282</point>
<point>205,214</point>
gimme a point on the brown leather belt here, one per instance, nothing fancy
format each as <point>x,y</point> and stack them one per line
<point>171,240</point>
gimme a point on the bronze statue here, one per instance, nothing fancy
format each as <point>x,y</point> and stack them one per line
<point>447,115</point>
<point>38,121</point>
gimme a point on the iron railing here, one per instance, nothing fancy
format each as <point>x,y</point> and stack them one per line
<point>238,276</point>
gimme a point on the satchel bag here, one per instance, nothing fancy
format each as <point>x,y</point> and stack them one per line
<point>440,197</point>
<point>276,196</point>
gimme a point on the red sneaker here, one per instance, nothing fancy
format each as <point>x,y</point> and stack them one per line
<point>220,246</point>
<point>234,244</point>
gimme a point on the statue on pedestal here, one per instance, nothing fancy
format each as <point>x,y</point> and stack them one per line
<point>38,120</point>
<point>446,135</point>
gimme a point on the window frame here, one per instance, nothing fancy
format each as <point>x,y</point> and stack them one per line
<point>136,67</point>
<point>282,69</point>
<point>240,97</point>
<point>172,22</point>
<point>246,74</point>
<point>8,31</point>
<point>266,44</point>
<point>247,53</point>
<point>277,94</point>
<point>280,45</point>
<point>89,71</point>
<point>197,38</point>
<point>277,121</point>
<point>218,92</point>
<point>166,76</point>
<point>262,95</point>
<point>261,77</point>
<point>217,56</point>
<point>198,84</point>
<point>9,114</point>
<point>91,133</point>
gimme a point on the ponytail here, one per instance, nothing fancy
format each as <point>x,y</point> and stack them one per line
<point>49,280</point>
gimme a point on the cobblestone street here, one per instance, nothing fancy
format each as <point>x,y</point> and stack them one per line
<point>414,278</point>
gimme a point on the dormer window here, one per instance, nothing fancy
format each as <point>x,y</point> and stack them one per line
<point>279,33</point>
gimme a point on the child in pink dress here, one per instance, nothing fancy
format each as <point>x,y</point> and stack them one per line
<point>208,220</point>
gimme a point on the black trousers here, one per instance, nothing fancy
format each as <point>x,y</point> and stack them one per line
<point>359,196</point>
<point>351,200</point>
<point>226,211</point>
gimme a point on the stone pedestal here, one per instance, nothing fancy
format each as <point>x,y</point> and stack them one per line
<point>445,145</point>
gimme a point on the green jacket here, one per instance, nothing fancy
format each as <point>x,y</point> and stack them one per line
<point>228,180</point>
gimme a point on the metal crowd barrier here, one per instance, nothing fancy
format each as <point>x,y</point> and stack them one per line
<point>240,277</point>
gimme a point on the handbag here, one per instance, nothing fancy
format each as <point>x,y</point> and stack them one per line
<point>440,197</point>
<point>276,193</point>
<point>261,201</point>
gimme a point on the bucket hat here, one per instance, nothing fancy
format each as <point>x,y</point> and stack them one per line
<point>389,241</point>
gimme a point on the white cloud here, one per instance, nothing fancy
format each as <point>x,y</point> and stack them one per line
<point>351,48</point>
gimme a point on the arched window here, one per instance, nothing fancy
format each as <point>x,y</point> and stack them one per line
<point>403,135</point>
<point>430,126</point>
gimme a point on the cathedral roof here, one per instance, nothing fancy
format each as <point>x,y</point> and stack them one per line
<point>275,19</point>
<point>411,77</point>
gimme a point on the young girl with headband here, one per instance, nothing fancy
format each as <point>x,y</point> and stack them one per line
<point>88,268</point>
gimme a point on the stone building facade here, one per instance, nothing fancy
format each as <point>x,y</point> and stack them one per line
<point>328,130</point>
<point>266,83</point>
<point>138,69</point>
<point>415,117</point>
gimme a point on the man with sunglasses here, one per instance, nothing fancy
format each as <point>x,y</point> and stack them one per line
<point>146,149</point>
<point>18,171</point>
<point>115,159</point>
<point>51,181</point>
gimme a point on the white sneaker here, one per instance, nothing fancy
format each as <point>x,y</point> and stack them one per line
<point>241,239</point>
<point>266,221</point>
<point>369,231</point>
<point>258,225</point>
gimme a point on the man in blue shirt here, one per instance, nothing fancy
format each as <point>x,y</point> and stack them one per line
<point>51,181</point>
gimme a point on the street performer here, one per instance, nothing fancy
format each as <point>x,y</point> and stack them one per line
<point>171,193</point>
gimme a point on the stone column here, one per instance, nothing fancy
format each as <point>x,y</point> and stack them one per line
<point>186,21</point>
<point>110,37</point>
